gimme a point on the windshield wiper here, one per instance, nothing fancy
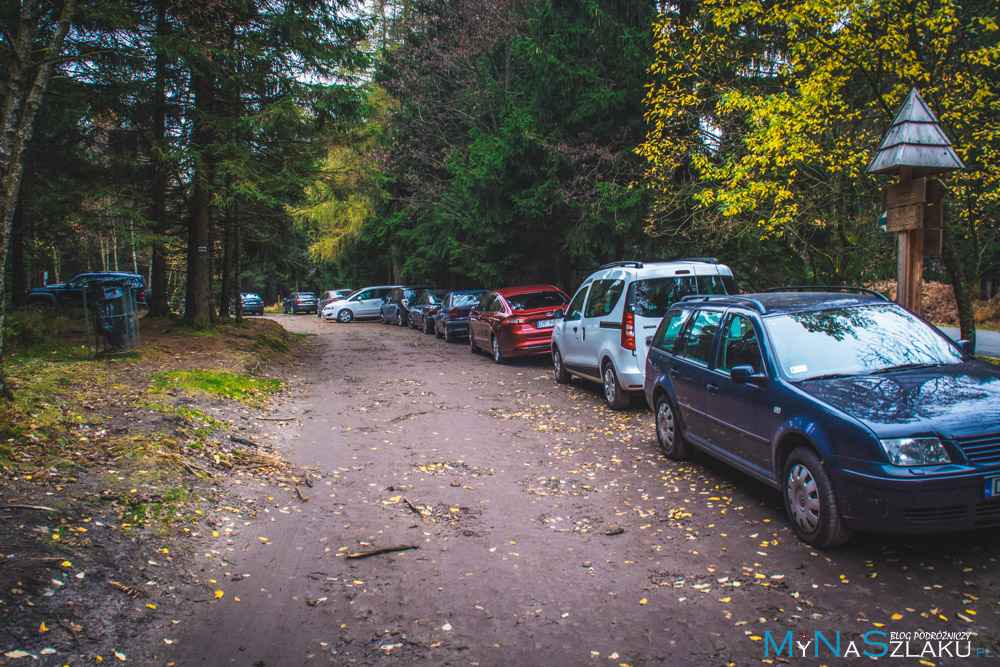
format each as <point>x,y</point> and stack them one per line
<point>828,376</point>
<point>902,367</point>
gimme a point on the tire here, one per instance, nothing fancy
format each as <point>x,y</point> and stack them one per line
<point>399,318</point>
<point>449,337</point>
<point>616,397</point>
<point>562,375</point>
<point>41,305</point>
<point>428,329</point>
<point>497,354</point>
<point>668,432</point>
<point>438,334</point>
<point>409,323</point>
<point>345,316</point>
<point>472,343</point>
<point>811,502</point>
<point>381,317</point>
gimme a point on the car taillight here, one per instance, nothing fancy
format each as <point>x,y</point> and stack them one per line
<point>453,312</point>
<point>628,330</point>
<point>298,300</point>
<point>514,320</point>
<point>431,311</point>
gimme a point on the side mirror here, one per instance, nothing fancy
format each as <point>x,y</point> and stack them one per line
<point>746,375</point>
<point>967,346</point>
<point>558,315</point>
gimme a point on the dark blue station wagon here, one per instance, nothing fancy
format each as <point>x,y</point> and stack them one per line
<point>864,415</point>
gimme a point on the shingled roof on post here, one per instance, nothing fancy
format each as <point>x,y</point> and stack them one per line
<point>915,140</point>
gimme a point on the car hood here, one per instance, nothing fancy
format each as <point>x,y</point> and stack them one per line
<point>954,401</point>
<point>47,287</point>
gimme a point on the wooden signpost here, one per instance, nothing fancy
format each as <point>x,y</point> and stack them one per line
<point>914,148</point>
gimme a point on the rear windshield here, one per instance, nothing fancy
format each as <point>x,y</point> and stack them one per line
<point>536,300</point>
<point>654,296</point>
<point>465,299</point>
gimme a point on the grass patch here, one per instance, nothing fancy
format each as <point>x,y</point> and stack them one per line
<point>241,388</point>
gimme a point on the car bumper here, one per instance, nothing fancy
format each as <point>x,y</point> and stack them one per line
<point>457,327</point>
<point>525,343</point>
<point>921,504</point>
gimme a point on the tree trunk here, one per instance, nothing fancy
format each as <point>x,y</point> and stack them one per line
<point>197,309</point>
<point>237,264</point>
<point>18,272</point>
<point>963,297</point>
<point>227,264</point>
<point>159,302</point>
<point>17,121</point>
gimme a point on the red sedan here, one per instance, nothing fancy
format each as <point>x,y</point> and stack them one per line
<point>516,321</point>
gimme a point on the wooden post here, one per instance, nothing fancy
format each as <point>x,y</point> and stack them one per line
<point>910,267</point>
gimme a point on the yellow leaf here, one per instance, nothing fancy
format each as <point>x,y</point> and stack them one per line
<point>219,594</point>
<point>642,601</point>
<point>42,628</point>
<point>896,617</point>
<point>151,606</point>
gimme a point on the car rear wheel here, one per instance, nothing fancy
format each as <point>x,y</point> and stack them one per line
<point>437,334</point>
<point>562,376</point>
<point>668,433</point>
<point>399,318</point>
<point>345,316</point>
<point>472,343</point>
<point>616,397</point>
<point>811,502</point>
<point>381,317</point>
<point>497,354</point>
<point>409,323</point>
<point>428,329</point>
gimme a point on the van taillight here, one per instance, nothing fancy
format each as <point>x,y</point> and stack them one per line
<point>628,330</point>
<point>453,312</point>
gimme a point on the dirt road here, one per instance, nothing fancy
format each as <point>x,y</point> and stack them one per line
<point>548,531</point>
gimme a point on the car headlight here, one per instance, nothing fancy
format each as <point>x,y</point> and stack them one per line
<point>915,451</point>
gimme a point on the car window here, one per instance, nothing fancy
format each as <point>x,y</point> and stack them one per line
<point>739,346</point>
<point>604,295</point>
<point>666,333</point>
<point>714,285</point>
<point>575,309</point>
<point>465,299</point>
<point>536,300</point>
<point>654,296</point>
<point>361,296</point>
<point>696,341</point>
<point>486,305</point>
<point>858,340</point>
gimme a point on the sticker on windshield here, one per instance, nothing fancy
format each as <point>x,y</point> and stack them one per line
<point>798,369</point>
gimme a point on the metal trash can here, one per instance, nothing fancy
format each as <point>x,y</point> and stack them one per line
<point>111,307</point>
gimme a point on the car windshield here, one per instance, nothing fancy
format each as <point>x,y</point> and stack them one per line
<point>654,296</point>
<point>466,299</point>
<point>536,300</point>
<point>855,341</point>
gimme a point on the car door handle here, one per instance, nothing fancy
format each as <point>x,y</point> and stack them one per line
<point>713,389</point>
<point>575,329</point>
<point>674,372</point>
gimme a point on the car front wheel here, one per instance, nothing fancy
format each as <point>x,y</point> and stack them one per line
<point>345,316</point>
<point>562,375</point>
<point>472,343</point>
<point>616,397</point>
<point>668,432</point>
<point>399,318</point>
<point>497,354</point>
<point>811,502</point>
<point>428,329</point>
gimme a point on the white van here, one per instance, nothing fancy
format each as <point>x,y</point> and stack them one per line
<point>605,332</point>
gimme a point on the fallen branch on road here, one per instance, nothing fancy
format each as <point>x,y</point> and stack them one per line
<point>413,507</point>
<point>383,550</point>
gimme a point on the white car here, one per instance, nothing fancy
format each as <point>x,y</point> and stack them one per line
<point>360,304</point>
<point>607,327</point>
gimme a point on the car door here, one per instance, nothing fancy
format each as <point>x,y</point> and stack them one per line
<point>478,320</point>
<point>568,327</point>
<point>689,372</point>
<point>739,414</point>
<point>599,331</point>
<point>363,303</point>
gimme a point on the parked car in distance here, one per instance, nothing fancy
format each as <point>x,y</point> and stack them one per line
<point>70,294</point>
<point>299,302</point>
<point>252,303</point>
<point>328,297</point>
<point>359,304</point>
<point>515,321</point>
<point>864,415</point>
<point>452,319</point>
<point>396,306</point>
<point>604,334</point>
<point>425,309</point>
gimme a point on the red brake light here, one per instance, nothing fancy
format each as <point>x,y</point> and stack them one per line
<point>514,320</point>
<point>453,312</point>
<point>628,330</point>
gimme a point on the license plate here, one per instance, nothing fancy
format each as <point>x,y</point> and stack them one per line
<point>545,324</point>
<point>992,489</point>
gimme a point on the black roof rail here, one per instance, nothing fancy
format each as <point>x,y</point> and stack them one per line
<point>612,265</point>
<point>703,260</point>
<point>829,288</point>
<point>730,298</point>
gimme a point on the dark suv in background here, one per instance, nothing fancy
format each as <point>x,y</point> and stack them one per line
<point>70,294</point>
<point>299,302</point>
<point>396,307</point>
